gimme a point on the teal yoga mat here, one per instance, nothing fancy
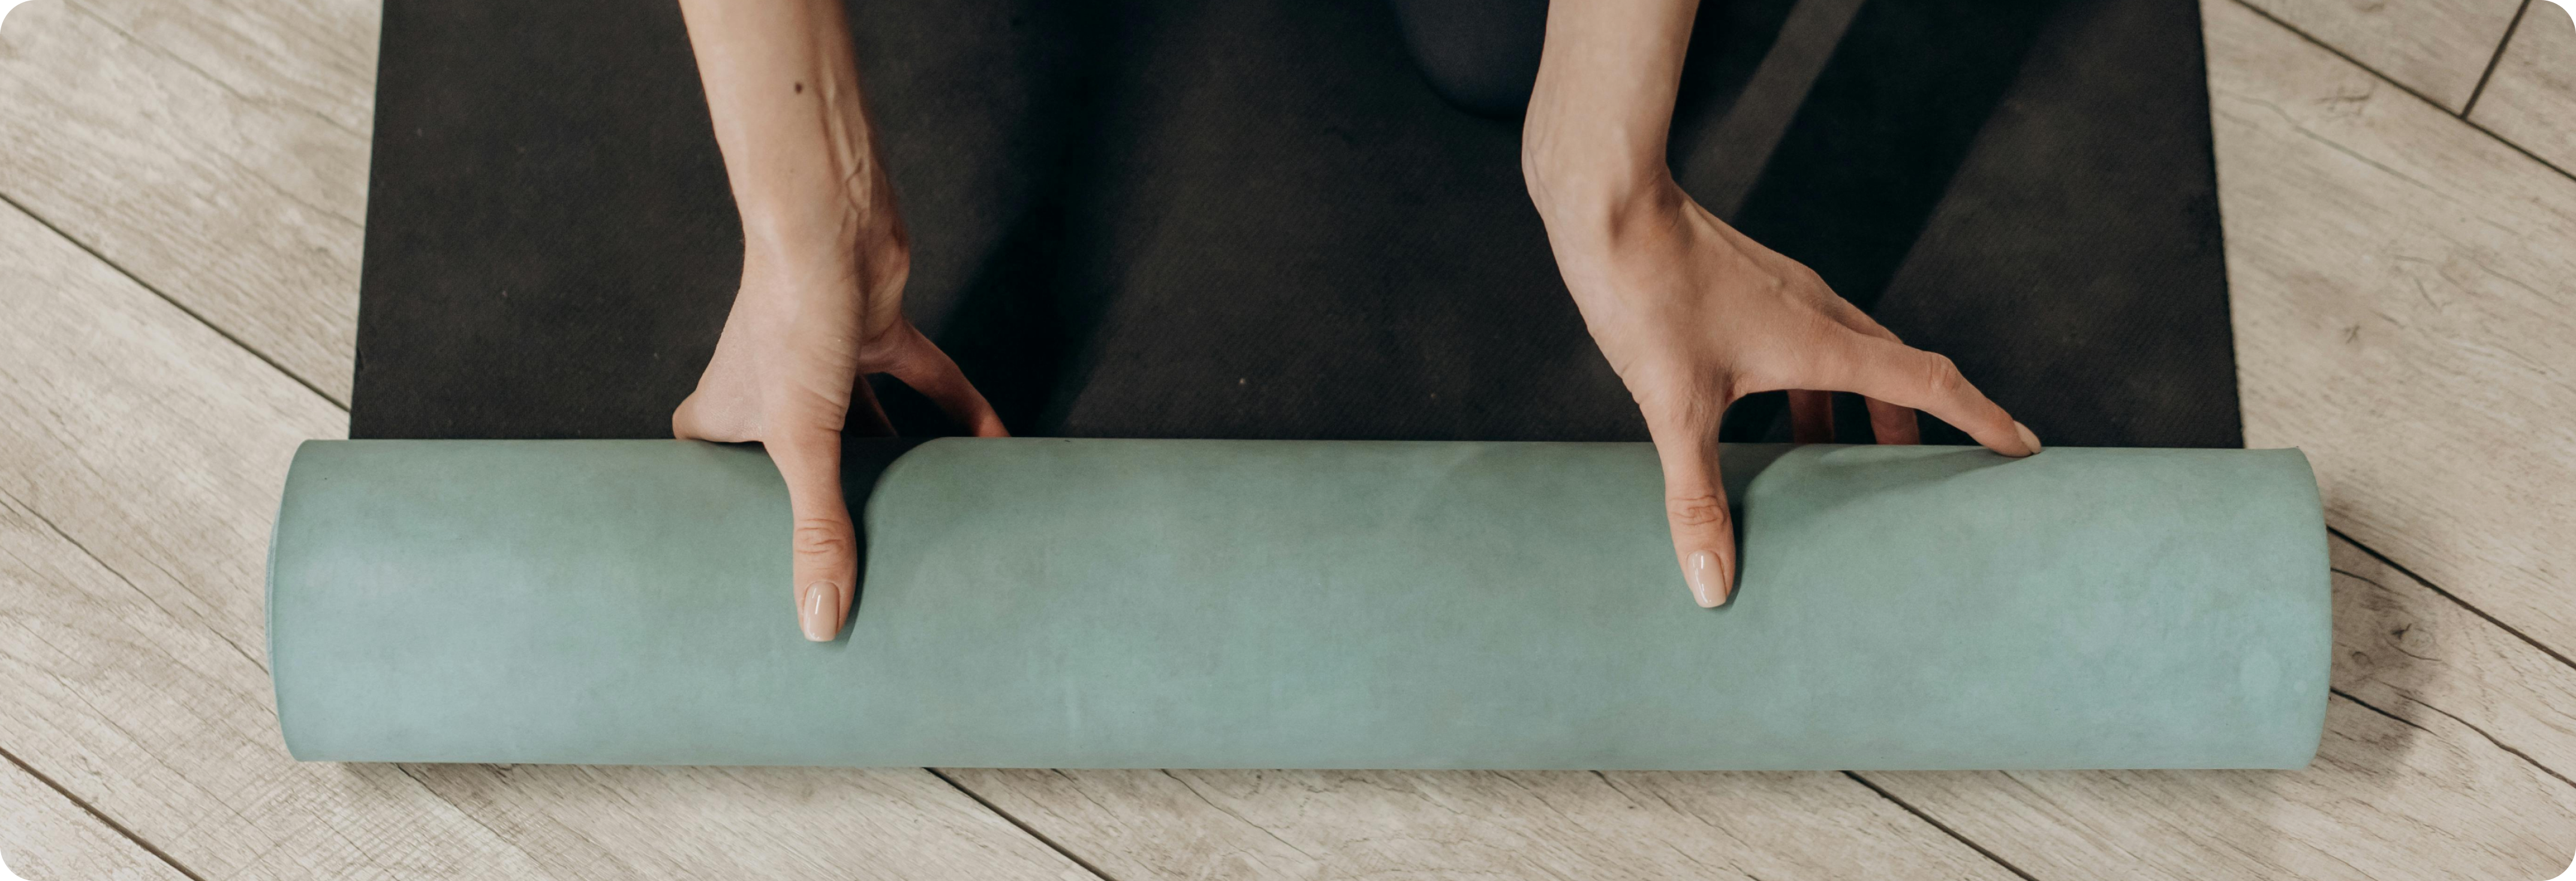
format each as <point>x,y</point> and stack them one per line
<point>1149,603</point>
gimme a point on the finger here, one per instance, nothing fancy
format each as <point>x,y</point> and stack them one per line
<point>1811,416</point>
<point>823,547</point>
<point>920,364</point>
<point>1695,506</point>
<point>1888,423</point>
<point>1909,377</point>
<point>1892,424</point>
<point>867,415</point>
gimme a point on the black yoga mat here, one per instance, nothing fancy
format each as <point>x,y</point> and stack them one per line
<point>1257,219</point>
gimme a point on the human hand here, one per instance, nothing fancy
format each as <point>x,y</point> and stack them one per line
<point>824,261</point>
<point>789,371</point>
<point>1694,315</point>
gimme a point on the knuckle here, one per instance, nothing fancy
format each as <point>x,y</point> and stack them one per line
<point>1808,279</point>
<point>1942,376</point>
<point>816,537</point>
<point>1705,509</point>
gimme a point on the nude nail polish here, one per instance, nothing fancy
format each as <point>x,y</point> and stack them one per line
<point>820,613</point>
<point>2028,439</point>
<point>1709,583</point>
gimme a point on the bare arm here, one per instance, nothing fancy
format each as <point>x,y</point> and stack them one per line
<point>824,263</point>
<point>1691,313</point>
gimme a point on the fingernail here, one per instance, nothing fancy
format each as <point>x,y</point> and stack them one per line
<point>1708,579</point>
<point>2027,439</point>
<point>821,611</point>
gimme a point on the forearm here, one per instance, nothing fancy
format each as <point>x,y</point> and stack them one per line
<point>783,89</point>
<point>1592,144</point>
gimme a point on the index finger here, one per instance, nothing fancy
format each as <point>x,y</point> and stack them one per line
<point>1909,377</point>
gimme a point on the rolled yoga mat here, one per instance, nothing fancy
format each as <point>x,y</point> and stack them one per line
<point>1211,604</point>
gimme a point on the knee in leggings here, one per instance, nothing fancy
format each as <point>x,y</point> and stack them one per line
<point>1481,55</point>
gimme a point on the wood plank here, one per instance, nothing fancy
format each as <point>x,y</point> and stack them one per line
<point>317,56</point>
<point>153,443</point>
<point>2439,48</point>
<point>1309,824</point>
<point>240,205</point>
<point>140,456</point>
<point>2445,757</point>
<point>44,837</point>
<point>2531,99</point>
<point>617,822</point>
<point>2405,649</point>
<point>2400,288</point>
<point>2384,799</point>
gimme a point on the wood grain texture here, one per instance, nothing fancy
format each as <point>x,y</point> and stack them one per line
<point>2385,799</point>
<point>2436,47</point>
<point>45,837</point>
<point>2405,649</point>
<point>623,822</point>
<point>146,439</point>
<point>2531,98</point>
<point>2401,286</point>
<point>140,458</point>
<point>314,56</point>
<point>234,196</point>
<point>1339,824</point>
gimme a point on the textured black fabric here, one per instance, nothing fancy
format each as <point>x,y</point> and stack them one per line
<point>1259,219</point>
<point>1482,55</point>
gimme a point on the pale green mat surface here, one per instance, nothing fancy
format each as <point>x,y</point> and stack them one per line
<point>1135,603</point>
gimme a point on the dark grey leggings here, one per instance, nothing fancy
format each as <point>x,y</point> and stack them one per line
<point>1482,55</point>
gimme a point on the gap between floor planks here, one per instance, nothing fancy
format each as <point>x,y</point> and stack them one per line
<point>2463,113</point>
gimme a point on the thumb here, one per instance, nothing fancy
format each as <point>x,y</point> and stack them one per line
<point>824,545</point>
<point>1695,503</point>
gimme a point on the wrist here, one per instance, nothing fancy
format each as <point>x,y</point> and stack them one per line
<point>828,227</point>
<point>1593,184</point>
<point>800,234</point>
<point>1587,204</point>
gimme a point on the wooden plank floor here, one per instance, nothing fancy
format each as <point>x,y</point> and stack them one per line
<point>181,187</point>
